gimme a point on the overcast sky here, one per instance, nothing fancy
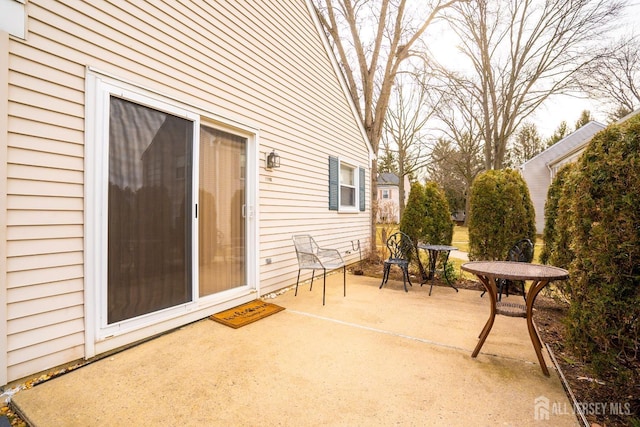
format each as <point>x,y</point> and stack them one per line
<point>558,108</point>
<point>568,108</point>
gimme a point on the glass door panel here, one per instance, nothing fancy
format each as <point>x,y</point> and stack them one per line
<point>221,216</point>
<point>149,210</point>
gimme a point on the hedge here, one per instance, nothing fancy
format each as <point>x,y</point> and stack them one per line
<point>500,214</point>
<point>604,225</point>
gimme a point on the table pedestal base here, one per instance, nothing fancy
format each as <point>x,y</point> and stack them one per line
<point>489,283</point>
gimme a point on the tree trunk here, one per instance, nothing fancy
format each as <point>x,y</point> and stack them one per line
<point>374,207</point>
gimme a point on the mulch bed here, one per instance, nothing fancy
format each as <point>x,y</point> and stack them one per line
<point>622,402</point>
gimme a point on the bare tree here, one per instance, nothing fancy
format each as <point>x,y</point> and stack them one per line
<point>521,52</point>
<point>372,39</point>
<point>615,76</point>
<point>456,158</point>
<point>454,165</point>
<point>404,134</point>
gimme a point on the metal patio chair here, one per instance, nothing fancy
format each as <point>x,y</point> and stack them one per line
<point>400,247</point>
<point>313,257</point>
<point>522,251</point>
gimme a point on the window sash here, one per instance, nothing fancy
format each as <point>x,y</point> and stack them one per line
<point>347,186</point>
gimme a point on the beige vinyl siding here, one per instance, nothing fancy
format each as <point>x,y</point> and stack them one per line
<point>261,64</point>
<point>4,90</point>
<point>45,214</point>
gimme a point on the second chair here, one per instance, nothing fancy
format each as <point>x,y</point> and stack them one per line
<point>400,248</point>
<point>522,251</point>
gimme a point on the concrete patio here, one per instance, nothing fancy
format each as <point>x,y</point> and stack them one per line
<point>376,357</point>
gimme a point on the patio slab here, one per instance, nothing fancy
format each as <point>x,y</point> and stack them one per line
<point>376,357</point>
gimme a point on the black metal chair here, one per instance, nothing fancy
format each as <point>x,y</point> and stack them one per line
<point>522,251</point>
<point>400,248</point>
<point>313,257</point>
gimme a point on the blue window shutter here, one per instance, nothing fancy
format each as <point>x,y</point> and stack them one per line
<point>361,183</point>
<point>334,183</point>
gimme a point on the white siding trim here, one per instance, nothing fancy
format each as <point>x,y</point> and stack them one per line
<point>91,213</point>
<point>13,18</point>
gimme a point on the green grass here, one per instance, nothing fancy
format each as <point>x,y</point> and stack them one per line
<point>461,238</point>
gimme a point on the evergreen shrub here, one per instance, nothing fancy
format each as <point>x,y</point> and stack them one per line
<point>556,236</point>
<point>604,225</point>
<point>500,214</point>
<point>437,228</point>
<point>427,218</point>
<point>413,215</point>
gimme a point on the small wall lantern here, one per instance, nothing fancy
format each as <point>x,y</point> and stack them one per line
<point>273,160</point>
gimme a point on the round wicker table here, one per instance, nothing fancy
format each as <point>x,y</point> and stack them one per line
<point>539,275</point>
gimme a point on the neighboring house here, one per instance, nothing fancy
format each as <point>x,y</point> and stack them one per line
<point>539,171</point>
<point>134,141</point>
<point>389,197</point>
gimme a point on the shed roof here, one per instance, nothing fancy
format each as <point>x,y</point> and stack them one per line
<point>567,145</point>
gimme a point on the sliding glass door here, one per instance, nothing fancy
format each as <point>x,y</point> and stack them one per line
<point>164,248</point>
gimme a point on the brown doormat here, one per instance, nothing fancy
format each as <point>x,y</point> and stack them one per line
<point>246,313</point>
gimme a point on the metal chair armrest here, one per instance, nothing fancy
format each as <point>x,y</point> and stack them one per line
<point>331,256</point>
<point>308,259</point>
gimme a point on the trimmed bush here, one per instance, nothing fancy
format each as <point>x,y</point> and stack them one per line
<point>427,218</point>
<point>437,228</point>
<point>500,214</point>
<point>605,273</point>
<point>413,215</point>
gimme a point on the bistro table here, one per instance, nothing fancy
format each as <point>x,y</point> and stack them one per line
<point>540,275</point>
<point>434,251</point>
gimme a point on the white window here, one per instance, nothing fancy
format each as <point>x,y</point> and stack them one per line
<point>386,193</point>
<point>346,186</point>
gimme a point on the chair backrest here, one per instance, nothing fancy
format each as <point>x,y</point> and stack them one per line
<point>522,251</point>
<point>306,249</point>
<point>305,243</point>
<point>400,246</point>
